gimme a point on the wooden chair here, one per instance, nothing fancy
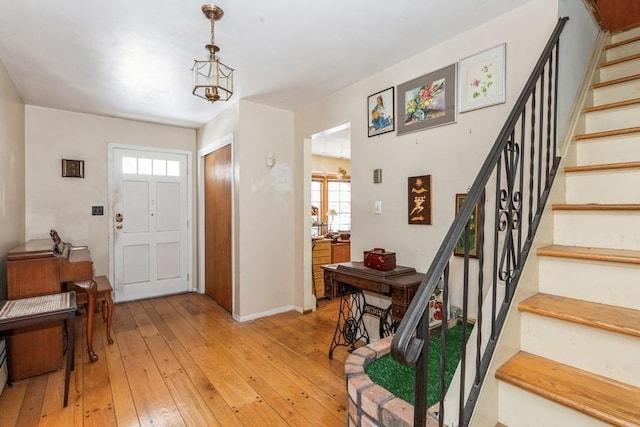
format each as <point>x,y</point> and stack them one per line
<point>21,313</point>
<point>91,292</point>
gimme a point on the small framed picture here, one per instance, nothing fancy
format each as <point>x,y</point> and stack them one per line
<point>380,112</point>
<point>72,168</point>
<point>419,198</point>
<point>482,79</point>
<point>473,231</point>
<point>427,101</point>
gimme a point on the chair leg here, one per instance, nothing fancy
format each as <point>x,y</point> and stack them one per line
<point>91,307</point>
<point>70,356</point>
<point>107,311</point>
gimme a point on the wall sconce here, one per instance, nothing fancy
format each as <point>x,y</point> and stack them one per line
<point>270,160</point>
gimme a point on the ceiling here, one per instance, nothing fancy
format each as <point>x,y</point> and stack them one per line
<point>132,59</point>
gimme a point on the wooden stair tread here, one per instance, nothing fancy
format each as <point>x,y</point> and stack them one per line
<point>612,105</point>
<point>607,317</point>
<point>600,397</point>
<point>616,81</point>
<point>591,254</point>
<point>620,60</point>
<point>602,167</point>
<point>622,43</point>
<point>595,207</point>
<point>606,133</point>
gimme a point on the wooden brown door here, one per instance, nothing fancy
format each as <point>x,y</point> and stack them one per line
<point>217,223</point>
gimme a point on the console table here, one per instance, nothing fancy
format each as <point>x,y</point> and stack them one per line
<point>347,280</point>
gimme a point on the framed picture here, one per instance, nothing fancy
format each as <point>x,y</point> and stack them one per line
<point>473,231</point>
<point>73,168</point>
<point>419,198</point>
<point>427,101</point>
<point>380,112</point>
<point>482,79</point>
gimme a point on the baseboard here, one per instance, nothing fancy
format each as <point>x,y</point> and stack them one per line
<point>265,313</point>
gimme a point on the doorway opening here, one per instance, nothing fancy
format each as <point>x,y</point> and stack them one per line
<point>330,203</point>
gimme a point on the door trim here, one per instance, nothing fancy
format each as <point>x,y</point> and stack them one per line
<point>202,152</point>
<point>110,210</point>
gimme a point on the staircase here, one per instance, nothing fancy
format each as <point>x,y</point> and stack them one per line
<point>579,358</point>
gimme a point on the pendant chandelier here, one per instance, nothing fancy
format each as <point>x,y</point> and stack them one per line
<point>212,80</point>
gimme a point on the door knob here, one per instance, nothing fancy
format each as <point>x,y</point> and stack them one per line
<point>119,226</point>
<point>119,217</point>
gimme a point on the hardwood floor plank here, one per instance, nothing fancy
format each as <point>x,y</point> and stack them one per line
<point>98,399</point>
<point>11,402</point>
<point>193,409</point>
<point>183,360</point>
<point>124,408</point>
<point>152,399</point>
<point>285,397</point>
<point>270,350</point>
<point>32,404</point>
<point>216,404</point>
<point>258,414</point>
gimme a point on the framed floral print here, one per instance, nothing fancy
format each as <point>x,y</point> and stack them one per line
<point>427,101</point>
<point>473,231</point>
<point>380,112</point>
<point>419,198</point>
<point>482,79</point>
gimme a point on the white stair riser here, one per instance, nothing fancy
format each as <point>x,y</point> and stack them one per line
<point>623,51</point>
<point>605,353</point>
<point>617,71</point>
<point>625,35</point>
<point>600,229</point>
<point>591,281</point>
<point>612,149</point>
<point>612,118</point>
<point>618,92</point>
<point>520,408</point>
<point>614,186</point>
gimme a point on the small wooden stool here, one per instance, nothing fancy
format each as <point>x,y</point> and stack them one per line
<point>20,313</point>
<point>97,290</point>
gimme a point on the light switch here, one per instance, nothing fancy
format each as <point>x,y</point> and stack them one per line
<point>378,207</point>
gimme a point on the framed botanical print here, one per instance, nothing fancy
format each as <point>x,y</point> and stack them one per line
<point>427,101</point>
<point>473,231</point>
<point>380,112</point>
<point>419,198</point>
<point>482,80</point>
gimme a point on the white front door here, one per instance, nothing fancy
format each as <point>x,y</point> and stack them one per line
<point>150,219</point>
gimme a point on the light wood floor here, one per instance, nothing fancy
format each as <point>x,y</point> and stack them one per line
<point>182,360</point>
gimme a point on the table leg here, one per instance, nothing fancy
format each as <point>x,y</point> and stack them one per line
<point>350,326</point>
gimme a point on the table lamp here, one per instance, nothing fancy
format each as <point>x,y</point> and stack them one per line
<point>331,213</point>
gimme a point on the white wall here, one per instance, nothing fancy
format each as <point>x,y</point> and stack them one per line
<point>266,211</point>
<point>450,154</point>
<point>11,172</point>
<point>65,203</point>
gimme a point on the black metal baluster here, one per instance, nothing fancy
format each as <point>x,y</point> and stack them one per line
<point>443,343</point>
